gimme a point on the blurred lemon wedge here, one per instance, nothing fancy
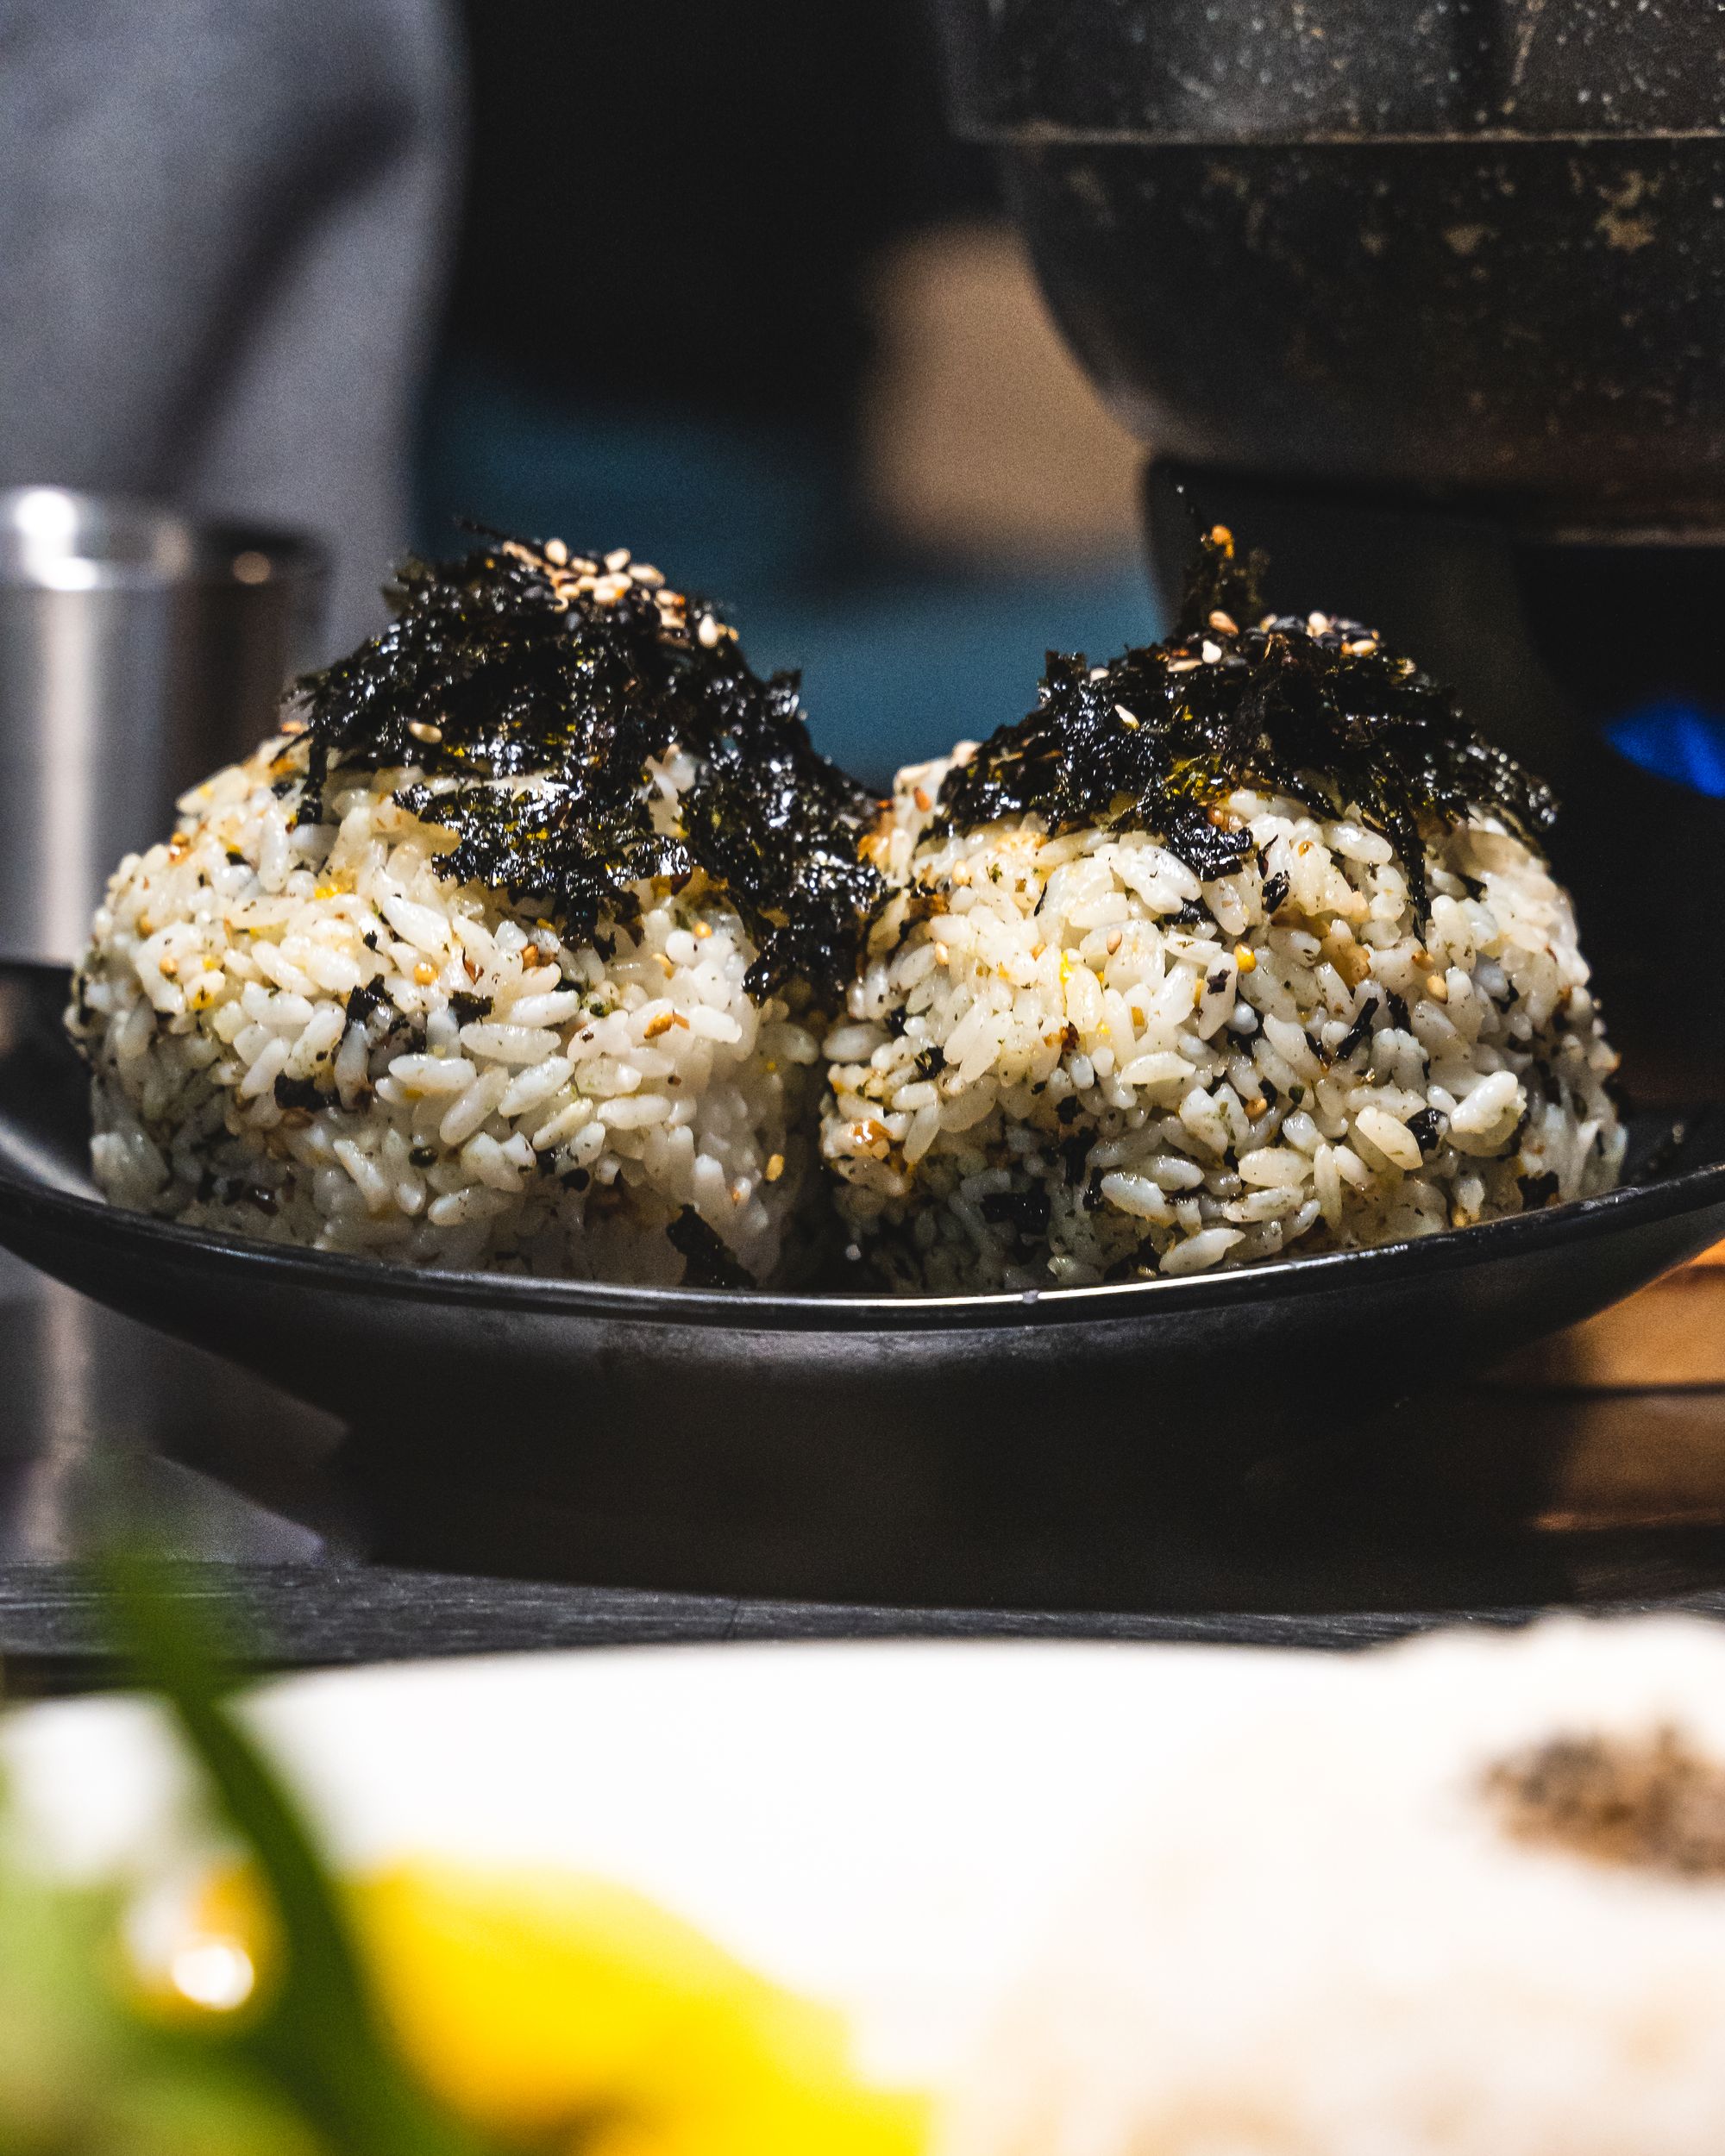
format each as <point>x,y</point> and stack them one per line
<point>563,2011</point>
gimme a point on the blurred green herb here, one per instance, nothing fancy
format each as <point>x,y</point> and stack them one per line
<point>317,2035</point>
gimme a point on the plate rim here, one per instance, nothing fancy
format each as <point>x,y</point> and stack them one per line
<point>24,1198</point>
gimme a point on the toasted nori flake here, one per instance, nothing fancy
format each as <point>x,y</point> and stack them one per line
<point>1217,981</point>
<point>298,1093</point>
<point>1067,1108</point>
<point>1194,914</point>
<point>1358,1032</point>
<point>545,708</point>
<point>363,1001</point>
<point>931,1061</point>
<point>468,1008</point>
<point>1427,1127</point>
<point>1537,1191</point>
<point>707,1262</point>
<point>1025,1210</point>
<point>1075,1153</point>
<point>1276,890</point>
<point>1208,848</point>
<point>422,1156</point>
<point>1334,718</point>
<point>577,1178</point>
<point>1399,1015</point>
<point>235,858</point>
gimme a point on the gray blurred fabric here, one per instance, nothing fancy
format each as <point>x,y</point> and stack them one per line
<point>223,229</point>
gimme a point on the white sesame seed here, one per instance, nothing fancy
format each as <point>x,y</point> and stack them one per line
<point>1125,718</point>
<point>556,551</point>
<point>609,589</point>
<point>616,559</point>
<point>582,566</point>
<point>1097,673</point>
<point>644,573</point>
<point>1210,652</point>
<point>421,731</point>
<point>1318,625</point>
<point>708,631</point>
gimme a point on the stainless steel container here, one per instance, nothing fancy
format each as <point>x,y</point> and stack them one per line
<point>139,650</point>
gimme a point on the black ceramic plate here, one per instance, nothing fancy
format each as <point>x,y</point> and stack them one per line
<point>630,1394</point>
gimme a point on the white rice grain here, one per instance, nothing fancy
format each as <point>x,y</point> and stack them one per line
<point>1164,1096</point>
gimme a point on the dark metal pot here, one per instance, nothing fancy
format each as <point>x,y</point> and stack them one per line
<point>1437,248</point>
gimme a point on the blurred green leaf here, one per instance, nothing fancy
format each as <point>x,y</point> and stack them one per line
<point>318,2035</point>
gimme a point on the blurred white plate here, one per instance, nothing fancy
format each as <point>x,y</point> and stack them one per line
<point>885,1827</point>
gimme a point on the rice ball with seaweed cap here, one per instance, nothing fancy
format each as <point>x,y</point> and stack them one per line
<point>512,950</point>
<point>1238,947</point>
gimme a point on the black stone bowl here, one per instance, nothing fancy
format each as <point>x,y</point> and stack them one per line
<point>1452,321</point>
<point>874,1435</point>
<point>1431,251</point>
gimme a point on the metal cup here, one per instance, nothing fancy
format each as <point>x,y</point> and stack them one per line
<point>140,650</point>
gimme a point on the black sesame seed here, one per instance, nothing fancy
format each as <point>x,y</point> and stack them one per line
<point>1358,1032</point>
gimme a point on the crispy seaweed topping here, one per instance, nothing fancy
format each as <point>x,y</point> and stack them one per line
<point>538,693</point>
<point>1315,708</point>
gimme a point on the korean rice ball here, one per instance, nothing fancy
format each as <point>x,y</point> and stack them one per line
<point>1239,947</point>
<point>513,950</point>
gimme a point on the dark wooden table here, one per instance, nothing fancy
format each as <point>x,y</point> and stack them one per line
<point>1483,1509</point>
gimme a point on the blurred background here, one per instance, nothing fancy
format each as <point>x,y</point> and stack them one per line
<point>713,282</point>
<point>726,289</point>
